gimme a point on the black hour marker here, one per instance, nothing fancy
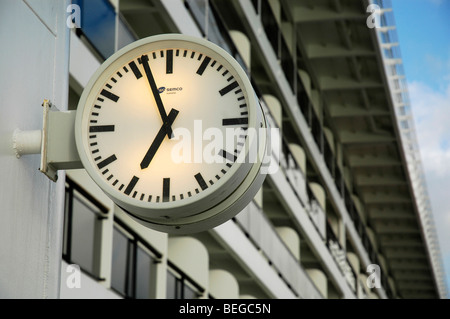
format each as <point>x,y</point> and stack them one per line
<point>177,52</point>
<point>169,62</point>
<point>162,54</point>
<point>225,73</point>
<point>154,55</point>
<point>131,185</point>
<point>100,99</point>
<point>166,189</point>
<point>243,105</point>
<point>201,181</point>
<point>101,128</point>
<point>109,177</point>
<point>109,95</point>
<point>227,155</point>
<point>125,69</point>
<point>97,106</point>
<point>220,67</point>
<point>200,57</point>
<point>114,80</point>
<point>192,55</point>
<point>119,74</point>
<point>142,197</point>
<point>228,88</point>
<point>108,86</point>
<point>214,63</point>
<point>135,69</point>
<point>184,53</point>
<point>203,66</point>
<point>107,161</point>
<point>235,121</point>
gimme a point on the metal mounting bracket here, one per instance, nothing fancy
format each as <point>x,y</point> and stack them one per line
<point>55,142</point>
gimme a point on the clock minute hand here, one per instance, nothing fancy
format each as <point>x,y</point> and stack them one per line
<point>154,88</point>
<point>159,138</point>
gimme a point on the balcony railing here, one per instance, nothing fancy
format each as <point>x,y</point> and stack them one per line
<point>256,225</point>
<point>263,9</point>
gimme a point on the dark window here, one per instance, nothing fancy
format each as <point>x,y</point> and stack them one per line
<point>82,229</point>
<point>98,21</point>
<point>180,286</point>
<point>132,265</point>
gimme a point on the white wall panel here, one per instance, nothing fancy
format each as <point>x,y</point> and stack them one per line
<point>34,67</point>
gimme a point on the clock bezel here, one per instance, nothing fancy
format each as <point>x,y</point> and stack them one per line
<point>174,209</point>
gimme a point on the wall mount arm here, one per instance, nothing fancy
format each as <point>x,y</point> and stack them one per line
<point>55,142</point>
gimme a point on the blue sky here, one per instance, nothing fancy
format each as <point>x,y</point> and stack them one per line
<point>423,28</point>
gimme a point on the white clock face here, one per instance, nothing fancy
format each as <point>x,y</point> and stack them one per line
<point>166,125</point>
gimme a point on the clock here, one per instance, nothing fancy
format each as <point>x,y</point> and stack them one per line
<point>169,127</point>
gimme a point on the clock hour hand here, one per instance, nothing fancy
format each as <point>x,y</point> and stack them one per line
<point>158,139</point>
<point>154,88</point>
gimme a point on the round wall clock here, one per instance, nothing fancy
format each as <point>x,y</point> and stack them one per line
<point>169,127</point>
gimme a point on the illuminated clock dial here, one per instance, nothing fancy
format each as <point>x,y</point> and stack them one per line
<point>166,128</point>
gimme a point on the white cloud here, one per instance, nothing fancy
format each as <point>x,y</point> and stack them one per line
<point>431,111</point>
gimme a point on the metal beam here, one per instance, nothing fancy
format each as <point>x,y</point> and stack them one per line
<point>385,243</point>
<point>419,295</point>
<point>389,198</point>
<point>318,51</point>
<point>322,14</point>
<point>396,229</point>
<point>347,137</point>
<point>401,254</point>
<point>339,110</point>
<point>411,275</point>
<point>388,214</point>
<point>408,265</point>
<point>411,285</point>
<point>365,180</point>
<point>327,82</point>
<point>373,161</point>
<point>128,7</point>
